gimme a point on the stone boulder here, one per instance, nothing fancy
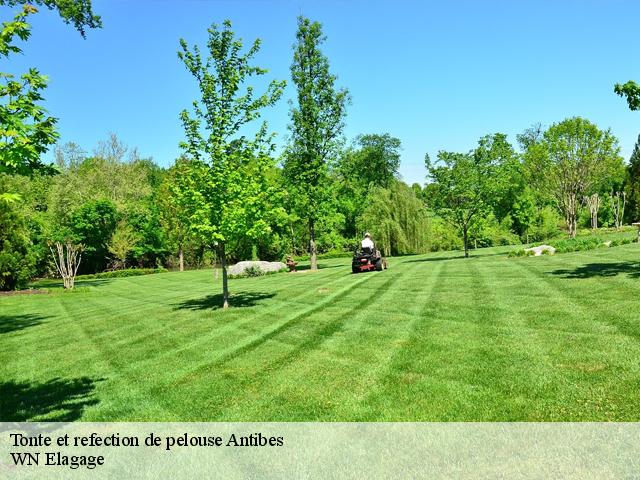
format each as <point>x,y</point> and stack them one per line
<point>266,267</point>
<point>537,251</point>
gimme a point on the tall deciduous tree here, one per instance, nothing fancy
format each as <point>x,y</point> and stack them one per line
<point>317,121</point>
<point>173,214</point>
<point>572,161</point>
<point>225,189</point>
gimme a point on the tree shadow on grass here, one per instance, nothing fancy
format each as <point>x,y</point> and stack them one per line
<point>57,400</point>
<point>590,270</point>
<point>214,302</point>
<point>12,323</point>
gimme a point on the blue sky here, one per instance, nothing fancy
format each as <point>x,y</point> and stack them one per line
<point>438,75</point>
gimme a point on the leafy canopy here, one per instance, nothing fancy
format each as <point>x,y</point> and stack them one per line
<point>224,188</point>
<point>463,185</point>
<point>26,130</point>
<point>630,90</point>
<point>317,119</point>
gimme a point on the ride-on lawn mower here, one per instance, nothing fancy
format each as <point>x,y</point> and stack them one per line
<point>366,260</point>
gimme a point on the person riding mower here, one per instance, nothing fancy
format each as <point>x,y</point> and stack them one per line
<point>368,257</point>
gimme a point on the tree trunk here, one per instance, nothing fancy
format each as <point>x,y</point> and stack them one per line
<point>223,265</point>
<point>293,241</point>
<point>570,215</point>
<point>181,258</point>
<point>312,245</point>
<point>465,240</point>
<point>572,223</point>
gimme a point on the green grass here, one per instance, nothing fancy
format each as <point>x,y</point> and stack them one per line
<point>434,338</point>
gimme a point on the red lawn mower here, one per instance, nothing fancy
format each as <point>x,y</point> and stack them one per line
<point>367,259</point>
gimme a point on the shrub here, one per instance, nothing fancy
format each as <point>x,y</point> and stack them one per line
<point>491,233</point>
<point>17,261</point>
<point>253,271</point>
<point>443,236</point>
<point>130,272</point>
<point>547,225</point>
<point>577,244</point>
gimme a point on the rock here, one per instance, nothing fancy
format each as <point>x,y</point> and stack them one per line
<point>537,251</point>
<point>240,267</point>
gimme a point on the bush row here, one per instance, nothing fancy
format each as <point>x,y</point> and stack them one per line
<point>130,272</point>
<point>576,245</point>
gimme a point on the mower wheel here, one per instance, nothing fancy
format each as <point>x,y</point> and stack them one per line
<point>355,269</point>
<point>379,265</point>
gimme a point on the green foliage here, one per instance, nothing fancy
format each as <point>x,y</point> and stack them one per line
<point>75,12</point>
<point>317,121</point>
<point>489,232</point>
<point>92,226</point>
<point>443,236</point>
<point>26,131</point>
<point>577,244</point>
<point>374,160</point>
<point>396,219</point>
<point>129,272</point>
<point>573,159</point>
<point>633,185</point>
<point>253,271</point>
<point>225,191</point>
<point>631,91</point>
<point>546,224</point>
<point>172,217</point>
<point>17,261</point>
<point>462,185</point>
<point>123,240</point>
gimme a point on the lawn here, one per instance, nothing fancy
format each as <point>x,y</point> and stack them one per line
<point>434,338</point>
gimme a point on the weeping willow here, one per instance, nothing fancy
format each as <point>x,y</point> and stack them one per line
<point>396,219</point>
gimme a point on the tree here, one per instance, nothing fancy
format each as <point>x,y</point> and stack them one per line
<point>572,161</point>
<point>594,202</point>
<point>26,131</point>
<point>173,216</point>
<point>92,226</point>
<point>224,190</point>
<point>16,259</point>
<point>396,219</point>
<point>633,183</point>
<point>317,122</point>
<point>630,90</point>
<point>374,161</point>
<point>67,257</point>
<point>122,242</point>
<point>618,201</point>
<point>462,187</point>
